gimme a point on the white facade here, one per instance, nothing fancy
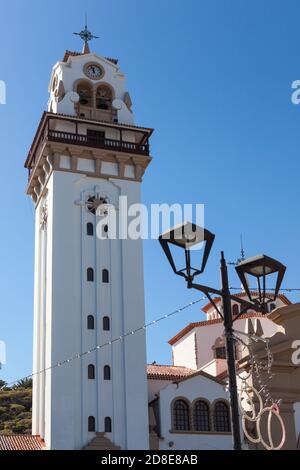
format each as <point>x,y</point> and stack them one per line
<point>190,389</point>
<point>71,402</point>
<point>195,376</point>
<point>66,76</point>
<point>195,346</point>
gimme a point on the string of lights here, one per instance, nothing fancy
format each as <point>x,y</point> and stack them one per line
<point>130,333</point>
<point>285,289</point>
<point>108,343</point>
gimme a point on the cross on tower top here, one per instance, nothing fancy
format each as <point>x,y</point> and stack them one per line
<point>86,36</point>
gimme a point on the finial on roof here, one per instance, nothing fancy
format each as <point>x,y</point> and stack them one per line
<point>242,258</point>
<point>86,36</point>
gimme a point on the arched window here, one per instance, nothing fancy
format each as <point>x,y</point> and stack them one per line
<point>201,421</point>
<point>90,229</point>
<point>91,424</point>
<point>106,373</point>
<point>107,424</point>
<point>181,415</point>
<point>106,324</point>
<point>90,275</point>
<point>85,93</point>
<point>103,97</point>
<point>91,372</point>
<point>272,307</point>
<point>221,417</point>
<point>105,276</point>
<point>235,309</point>
<point>90,322</point>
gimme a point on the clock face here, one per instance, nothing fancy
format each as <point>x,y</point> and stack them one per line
<point>94,71</point>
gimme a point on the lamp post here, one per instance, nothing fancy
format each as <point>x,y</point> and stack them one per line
<point>189,238</point>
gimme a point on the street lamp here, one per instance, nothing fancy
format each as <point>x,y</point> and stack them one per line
<point>189,238</point>
<point>260,267</point>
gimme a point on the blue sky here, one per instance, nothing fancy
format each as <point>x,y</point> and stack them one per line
<point>214,79</point>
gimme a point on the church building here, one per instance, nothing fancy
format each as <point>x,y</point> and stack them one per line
<point>92,388</point>
<point>87,152</point>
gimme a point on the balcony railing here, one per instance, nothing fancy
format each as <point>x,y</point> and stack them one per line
<point>103,143</point>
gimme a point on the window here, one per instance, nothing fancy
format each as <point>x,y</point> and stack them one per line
<point>106,324</point>
<point>91,424</point>
<point>272,307</point>
<point>201,416</point>
<point>221,352</point>
<point>90,275</point>
<point>105,276</point>
<point>90,322</point>
<point>106,373</point>
<point>85,93</point>
<point>90,229</point>
<point>91,372</point>
<point>221,417</point>
<point>181,419</point>
<point>107,424</point>
<point>235,309</point>
<point>103,97</point>
<point>95,136</point>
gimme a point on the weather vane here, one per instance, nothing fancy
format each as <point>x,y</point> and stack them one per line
<point>86,36</point>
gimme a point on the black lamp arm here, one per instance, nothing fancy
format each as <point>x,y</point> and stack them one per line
<point>210,290</point>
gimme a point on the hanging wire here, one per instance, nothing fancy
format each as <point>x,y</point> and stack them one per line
<point>285,289</point>
<point>108,343</point>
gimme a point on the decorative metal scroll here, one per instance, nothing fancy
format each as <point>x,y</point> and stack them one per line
<point>257,404</point>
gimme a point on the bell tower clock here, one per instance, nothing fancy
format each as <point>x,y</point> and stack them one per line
<point>87,290</point>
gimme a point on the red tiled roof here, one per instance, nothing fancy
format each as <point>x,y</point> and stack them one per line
<point>75,54</point>
<point>269,295</point>
<point>176,373</point>
<point>20,442</point>
<point>191,326</point>
<point>166,372</point>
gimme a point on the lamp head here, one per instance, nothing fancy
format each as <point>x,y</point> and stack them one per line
<point>190,239</point>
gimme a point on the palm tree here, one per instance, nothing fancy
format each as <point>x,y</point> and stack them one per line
<point>2,384</point>
<point>23,383</point>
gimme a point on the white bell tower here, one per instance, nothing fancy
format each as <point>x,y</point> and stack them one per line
<point>87,291</point>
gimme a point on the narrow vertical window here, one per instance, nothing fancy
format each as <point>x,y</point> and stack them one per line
<point>105,276</point>
<point>106,373</point>
<point>201,421</point>
<point>181,415</point>
<point>91,322</point>
<point>106,324</point>
<point>90,229</point>
<point>91,372</point>
<point>91,424</point>
<point>107,424</point>
<point>235,309</point>
<point>90,275</point>
<point>221,417</point>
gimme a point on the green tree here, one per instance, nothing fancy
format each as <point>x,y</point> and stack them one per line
<point>23,383</point>
<point>2,384</point>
